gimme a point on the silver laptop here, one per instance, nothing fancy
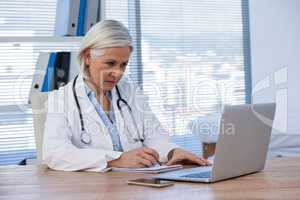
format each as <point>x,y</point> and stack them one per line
<point>241,148</point>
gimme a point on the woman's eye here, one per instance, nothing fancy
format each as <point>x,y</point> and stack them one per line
<point>110,63</point>
<point>123,66</point>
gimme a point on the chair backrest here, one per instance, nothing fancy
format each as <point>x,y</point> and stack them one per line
<point>39,112</point>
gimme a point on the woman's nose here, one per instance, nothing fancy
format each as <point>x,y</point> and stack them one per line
<point>117,72</point>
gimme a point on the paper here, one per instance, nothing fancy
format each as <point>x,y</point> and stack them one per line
<point>151,170</point>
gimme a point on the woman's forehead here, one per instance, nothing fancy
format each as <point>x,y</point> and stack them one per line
<point>113,52</point>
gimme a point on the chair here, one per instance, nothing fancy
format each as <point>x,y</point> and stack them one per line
<point>39,116</point>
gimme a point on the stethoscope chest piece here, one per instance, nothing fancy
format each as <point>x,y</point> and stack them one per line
<point>85,137</point>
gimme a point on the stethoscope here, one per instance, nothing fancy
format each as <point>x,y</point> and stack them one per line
<point>85,137</point>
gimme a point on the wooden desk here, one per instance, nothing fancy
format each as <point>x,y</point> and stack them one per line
<point>279,180</point>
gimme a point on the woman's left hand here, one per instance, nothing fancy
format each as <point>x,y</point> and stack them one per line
<point>180,156</point>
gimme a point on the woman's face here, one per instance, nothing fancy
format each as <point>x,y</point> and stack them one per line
<point>107,68</point>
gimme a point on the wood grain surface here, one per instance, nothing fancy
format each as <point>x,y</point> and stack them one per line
<point>279,180</point>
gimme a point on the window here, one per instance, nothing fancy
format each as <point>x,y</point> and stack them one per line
<point>26,29</point>
<point>193,56</point>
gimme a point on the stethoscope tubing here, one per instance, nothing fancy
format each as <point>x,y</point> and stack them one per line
<point>85,138</point>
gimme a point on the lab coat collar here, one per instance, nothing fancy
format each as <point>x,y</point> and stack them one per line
<point>87,106</point>
<point>81,88</point>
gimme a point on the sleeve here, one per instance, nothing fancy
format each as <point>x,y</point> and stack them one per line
<point>155,136</point>
<point>59,153</point>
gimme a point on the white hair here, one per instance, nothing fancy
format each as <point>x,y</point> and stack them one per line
<point>104,34</point>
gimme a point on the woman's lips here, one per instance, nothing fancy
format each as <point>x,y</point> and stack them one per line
<point>111,82</point>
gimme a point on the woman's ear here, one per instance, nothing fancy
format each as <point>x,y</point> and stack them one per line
<point>87,57</point>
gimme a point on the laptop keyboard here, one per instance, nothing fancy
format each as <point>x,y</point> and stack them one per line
<point>198,175</point>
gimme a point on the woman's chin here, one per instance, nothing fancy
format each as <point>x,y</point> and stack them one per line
<point>108,87</point>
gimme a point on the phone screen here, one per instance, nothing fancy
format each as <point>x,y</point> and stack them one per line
<point>151,182</point>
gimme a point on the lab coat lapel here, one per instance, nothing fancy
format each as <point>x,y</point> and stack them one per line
<point>120,121</point>
<point>87,108</point>
<point>93,123</point>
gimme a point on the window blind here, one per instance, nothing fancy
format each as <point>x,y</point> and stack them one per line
<point>26,29</point>
<point>193,56</point>
<point>189,58</point>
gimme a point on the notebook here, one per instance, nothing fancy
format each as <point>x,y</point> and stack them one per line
<point>150,170</point>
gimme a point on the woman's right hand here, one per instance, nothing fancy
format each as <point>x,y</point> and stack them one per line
<point>136,158</point>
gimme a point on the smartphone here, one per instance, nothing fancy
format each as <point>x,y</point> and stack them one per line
<point>152,182</point>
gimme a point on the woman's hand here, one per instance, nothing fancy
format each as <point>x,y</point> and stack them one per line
<point>137,158</point>
<point>180,156</point>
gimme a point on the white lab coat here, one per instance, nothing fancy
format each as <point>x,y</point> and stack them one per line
<point>62,146</point>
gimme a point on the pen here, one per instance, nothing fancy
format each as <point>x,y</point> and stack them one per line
<point>157,161</point>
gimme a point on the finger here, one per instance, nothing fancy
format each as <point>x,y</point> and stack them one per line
<point>173,161</point>
<point>147,156</point>
<point>189,158</point>
<point>207,162</point>
<point>201,162</point>
<point>144,162</point>
<point>151,152</point>
<point>197,160</point>
<point>139,165</point>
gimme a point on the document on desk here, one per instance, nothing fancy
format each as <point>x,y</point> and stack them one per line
<point>150,170</point>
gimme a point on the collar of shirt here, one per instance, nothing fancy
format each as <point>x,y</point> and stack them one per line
<point>108,118</point>
<point>90,92</point>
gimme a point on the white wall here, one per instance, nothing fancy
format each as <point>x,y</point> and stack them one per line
<point>275,57</point>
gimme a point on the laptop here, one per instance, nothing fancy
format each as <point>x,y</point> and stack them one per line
<point>241,148</point>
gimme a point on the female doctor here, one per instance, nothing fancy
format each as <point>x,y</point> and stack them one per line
<point>100,119</point>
